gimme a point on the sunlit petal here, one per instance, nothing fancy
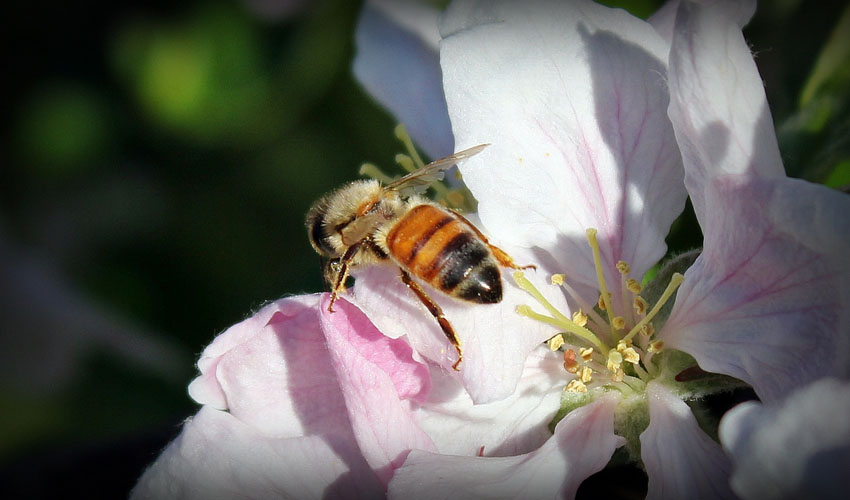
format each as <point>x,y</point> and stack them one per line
<point>583,443</point>
<point>572,98</point>
<point>515,425</point>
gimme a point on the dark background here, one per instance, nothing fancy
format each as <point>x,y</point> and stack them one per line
<point>157,162</point>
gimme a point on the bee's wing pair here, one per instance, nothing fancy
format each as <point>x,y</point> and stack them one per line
<point>423,177</point>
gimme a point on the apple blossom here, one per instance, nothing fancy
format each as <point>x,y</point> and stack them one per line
<point>586,171</point>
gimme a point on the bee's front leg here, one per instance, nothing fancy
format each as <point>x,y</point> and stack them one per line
<point>340,268</point>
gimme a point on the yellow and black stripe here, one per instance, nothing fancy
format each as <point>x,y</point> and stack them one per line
<point>437,247</point>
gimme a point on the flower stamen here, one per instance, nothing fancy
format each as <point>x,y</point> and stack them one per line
<point>402,135</point>
<point>557,319</point>
<point>604,296</point>
<point>555,342</point>
<point>372,170</point>
<point>570,363</point>
<point>675,281</point>
<point>580,318</point>
<point>576,385</point>
<point>591,314</point>
<point>585,374</point>
<point>640,305</point>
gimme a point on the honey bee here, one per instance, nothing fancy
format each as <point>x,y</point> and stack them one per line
<point>366,223</point>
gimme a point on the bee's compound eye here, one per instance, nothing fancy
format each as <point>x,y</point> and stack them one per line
<point>317,233</point>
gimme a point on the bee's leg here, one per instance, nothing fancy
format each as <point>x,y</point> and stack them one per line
<point>435,311</point>
<point>342,272</point>
<point>504,259</point>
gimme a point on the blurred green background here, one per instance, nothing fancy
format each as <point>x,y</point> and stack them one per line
<point>157,162</point>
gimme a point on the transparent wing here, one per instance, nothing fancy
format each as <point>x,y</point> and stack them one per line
<point>433,171</point>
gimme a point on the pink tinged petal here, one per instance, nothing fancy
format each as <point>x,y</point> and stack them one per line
<point>717,101</point>
<point>495,339</point>
<point>680,459</point>
<point>582,445</point>
<point>377,376</point>
<point>572,98</point>
<point>766,302</point>
<point>280,380</point>
<point>217,456</point>
<point>515,425</point>
<point>796,448</point>
<point>206,388</point>
<point>398,64</point>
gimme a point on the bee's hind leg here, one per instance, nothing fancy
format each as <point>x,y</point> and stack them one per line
<point>435,311</point>
<point>504,259</point>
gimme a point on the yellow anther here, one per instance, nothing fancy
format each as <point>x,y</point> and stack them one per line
<point>524,309</point>
<point>600,303</point>
<point>633,285</point>
<point>631,356</point>
<point>640,305</point>
<point>647,330</point>
<point>656,346</point>
<point>585,374</point>
<point>615,361</point>
<point>618,322</point>
<point>555,342</point>
<point>575,385</point>
<point>618,375</point>
<point>623,267</point>
<point>557,279</point>
<point>586,353</point>
<point>580,318</point>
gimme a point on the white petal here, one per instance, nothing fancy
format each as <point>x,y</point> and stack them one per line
<point>397,62</point>
<point>680,459</point>
<point>717,101</point>
<point>515,425</point>
<point>218,457</point>
<point>582,445</point>
<point>572,98</point>
<point>766,302</point>
<point>664,20</point>
<point>495,339</point>
<point>797,448</point>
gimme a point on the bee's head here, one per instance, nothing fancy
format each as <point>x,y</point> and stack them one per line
<point>334,211</point>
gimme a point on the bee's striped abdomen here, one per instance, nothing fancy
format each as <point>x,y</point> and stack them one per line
<point>437,247</point>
